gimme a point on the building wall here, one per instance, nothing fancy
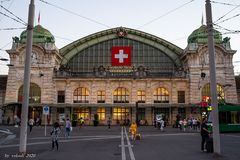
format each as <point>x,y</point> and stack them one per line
<point>197,60</point>
<point>194,59</point>
<point>109,85</point>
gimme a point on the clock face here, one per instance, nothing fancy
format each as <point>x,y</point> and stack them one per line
<point>34,57</point>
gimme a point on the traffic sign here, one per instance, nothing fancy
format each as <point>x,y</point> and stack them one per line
<point>45,110</point>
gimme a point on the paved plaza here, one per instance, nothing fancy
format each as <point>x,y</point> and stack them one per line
<point>101,143</point>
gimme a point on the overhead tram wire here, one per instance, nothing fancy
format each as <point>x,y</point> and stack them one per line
<point>8,8</point>
<point>13,15</point>
<point>228,19</point>
<point>76,14</point>
<point>7,29</point>
<point>233,31</point>
<point>173,10</point>
<point>59,37</point>
<point>13,18</point>
<point>226,14</point>
<point>227,4</point>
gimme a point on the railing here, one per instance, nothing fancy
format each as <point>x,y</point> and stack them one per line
<point>107,74</point>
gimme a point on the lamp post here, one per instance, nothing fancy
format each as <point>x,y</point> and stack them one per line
<point>26,83</point>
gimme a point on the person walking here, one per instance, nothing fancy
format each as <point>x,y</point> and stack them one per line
<point>81,122</point>
<point>109,121</point>
<point>30,123</point>
<point>133,130</point>
<point>162,125</point>
<point>55,133</point>
<point>204,134</point>
<point>67,128</point>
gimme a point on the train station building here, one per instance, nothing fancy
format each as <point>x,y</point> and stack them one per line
<point>119,73</point>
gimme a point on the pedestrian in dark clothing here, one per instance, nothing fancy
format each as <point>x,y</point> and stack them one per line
<point>8,120</point>
<point>128,122</point>
<point>55,133</point>
<point>204,134</point>
<point>109,123</point>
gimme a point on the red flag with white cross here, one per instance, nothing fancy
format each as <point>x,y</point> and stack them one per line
<point>121,56</point>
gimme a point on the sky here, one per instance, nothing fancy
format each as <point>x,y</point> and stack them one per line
<point>70,20</point>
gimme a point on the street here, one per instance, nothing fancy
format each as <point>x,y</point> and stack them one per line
<point>90,143</point>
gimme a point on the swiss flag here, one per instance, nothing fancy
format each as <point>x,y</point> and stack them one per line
<point>121,56</point>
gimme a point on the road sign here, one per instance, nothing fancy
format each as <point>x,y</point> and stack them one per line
<point>45,110</point>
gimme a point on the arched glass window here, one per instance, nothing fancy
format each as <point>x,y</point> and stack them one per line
<point>81,95</point>
<point>101,96</point>
<point>156,60</point>
<point>34,93</point>
<point>161,95</point>
<point>141,96</point>
<point>206,94</point>
<point>121,95</point>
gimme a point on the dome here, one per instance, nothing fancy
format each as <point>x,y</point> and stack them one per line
<point>200,35</point>
<point>40,35</point>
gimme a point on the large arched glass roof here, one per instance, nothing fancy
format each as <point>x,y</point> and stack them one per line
<point>93,51</point>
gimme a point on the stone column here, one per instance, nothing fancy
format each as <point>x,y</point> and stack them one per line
<point>148,115</point>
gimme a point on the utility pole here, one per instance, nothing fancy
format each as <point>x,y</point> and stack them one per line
<point>26,83</point>
<point>213,84</point>
<point>137,112</point>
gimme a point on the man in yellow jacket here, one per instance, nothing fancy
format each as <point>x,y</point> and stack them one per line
<point>133,130</point>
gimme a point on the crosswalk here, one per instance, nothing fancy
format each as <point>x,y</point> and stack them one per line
<point>125,137</point>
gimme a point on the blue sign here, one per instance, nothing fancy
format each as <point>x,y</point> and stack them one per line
<point>46,110</point>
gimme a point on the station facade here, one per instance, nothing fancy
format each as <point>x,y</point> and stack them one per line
<point>119,73</point>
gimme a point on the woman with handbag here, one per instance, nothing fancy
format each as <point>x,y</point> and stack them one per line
<point>55,133</point>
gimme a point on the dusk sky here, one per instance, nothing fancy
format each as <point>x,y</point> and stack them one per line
<point>70,20</point>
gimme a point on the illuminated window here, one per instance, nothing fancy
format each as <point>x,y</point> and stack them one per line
<point>101,96</point>
<point>141,96</point>
<point>120,113</point>
<point>81,112</point>
<point>161,95</point>
<point>101,113</point>
<point>34,94</point>
<point>206,94</point>
<point>121,95</point>
<point>81,95</point>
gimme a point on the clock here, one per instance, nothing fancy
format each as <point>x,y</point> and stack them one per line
<point>34,57</point>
